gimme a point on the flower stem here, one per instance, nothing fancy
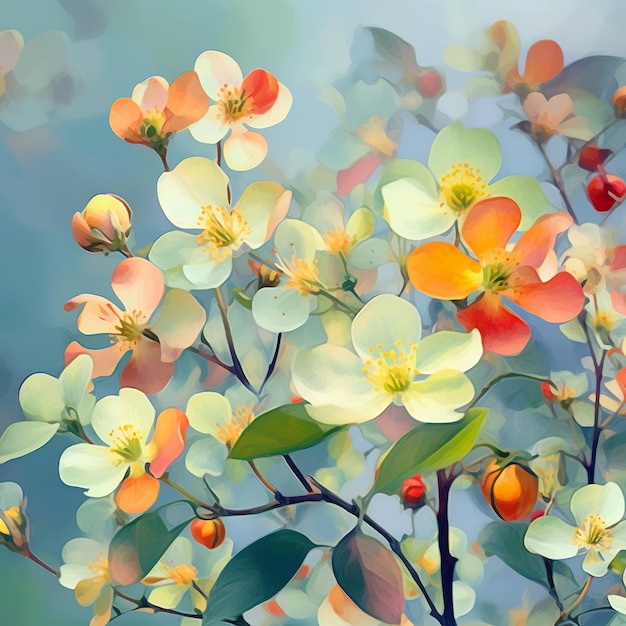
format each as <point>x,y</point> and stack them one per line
<point>163,157</point>
<point>579,599</point>
<point>500,377</point>
<point>266,483</point>
<point>597,428</point>
<point>448,561</point>
<point>558,182</point>
<point>182,491</point>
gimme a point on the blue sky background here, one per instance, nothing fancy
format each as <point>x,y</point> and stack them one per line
<point>52,170</point>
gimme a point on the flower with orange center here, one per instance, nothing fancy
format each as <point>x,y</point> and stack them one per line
<point>156,110</point>
<point>440,270</point>
<point>554,117</point>
<point>154,346</point>
<point>258,101</point>
<point>124,423</point>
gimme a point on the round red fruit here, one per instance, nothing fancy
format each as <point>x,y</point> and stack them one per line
<point>209,533</point>
<point>429,84</point>
<point>606,191</point>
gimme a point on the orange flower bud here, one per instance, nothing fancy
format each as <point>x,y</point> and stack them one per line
<point>511,491</point>
<point>619,101</point>
<point>210,533</point>
<point>413,492</point>
<point>104,224</point>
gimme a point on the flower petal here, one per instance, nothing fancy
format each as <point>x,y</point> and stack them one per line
<point>211,127</point>
<point>168,439</point>
<point>151,94</point>
<point>91,467</point>
<point>98,316</point>
<point>414,211</point>
<point>186,102</point>
<point>535,244</point>
<point>88,589</point>
<point>206,456</point>
<point>490,224</point>
<point>195,182</point>
<point>104,360</point>
<point>216,69</point>
<point>607,501</point>
<point>383,323</point>
<point>558,300</point>
<point>551,537</point>
<point>130,407</point>
<point>171,252</point>
<point>208,274</point>
<point>543,62</point>
<point>262,87</point>
<point>501,330</point>
<point>125,120</point>
<point>434,399</point>
<point>137,493</point>
<point>280,310</point>
<point>360,172</point>
<point>448,350</point>
<point>145,370</point>
<point>244,150</point>
<point>263,205</point>
<point>181,318</point>
<point>168,596</point>
<point>139,285</point>
<point>441,270</point>
<point>208,412</point>
<point>277,113</point>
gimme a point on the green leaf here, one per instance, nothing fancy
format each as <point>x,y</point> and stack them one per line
<point>256,574</point>
<point>280,431</point>
<point>394,49</point>
<point>242,297</point>
<point>22,438</point>
<point>428,447</point>
<point>370,576</point>
<point>136,548</point>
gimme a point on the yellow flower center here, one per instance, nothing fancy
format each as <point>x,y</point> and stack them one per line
<point>100,567</point>
<point>152,126</point>
<point>462,187</point>
<point>374,134</point>
<point>429,565</point>
<point>126,444</point>
<point>12,513</point>
<point>498,264</point>
<point>604,320</point>
<point>223,232</point>
<point>230,432</point>
<point>392,371</point>
<point>593,534</point>
<point>233,103</point>
<point>129,329</point>
<point>339,241</point>
<point>183,575</point>
<point>303,276</point>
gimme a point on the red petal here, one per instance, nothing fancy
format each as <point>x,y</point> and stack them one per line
<point>356,174</point>
<point>501,330</point>
<point>145,370</point>
<point>262,87</point>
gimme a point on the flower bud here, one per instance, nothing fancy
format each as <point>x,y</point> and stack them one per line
<point>104,224</point>
<point>13,522</point>
<point>413,492</point>
<point>619,101</point>
<point>209,533</point>
<point>511,490</point>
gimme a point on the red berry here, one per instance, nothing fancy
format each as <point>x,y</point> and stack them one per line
<point>210,533</point>
<point>547,392</point>
<point>429,84</point>
<point>537,514</point>
<point>413,492</point>
<point>606,191</point>
<point>592,156</point>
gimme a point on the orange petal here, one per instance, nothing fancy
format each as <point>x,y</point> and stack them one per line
<point>137,493</point>
<point>145,371</point>
<point>620,377</point>
<point>490,223</point>
<point>125,120</point>
<point>98,316</point>
<point>186,102</point>
<point>169,439</point>
<point>543,62</point>
<point>501,330</point>
<point>558,300</point>
<point>535,244</point>
<point>442,271</point>
<point>262,87</point>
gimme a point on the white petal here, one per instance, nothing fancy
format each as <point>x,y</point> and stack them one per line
<point>208,412</point>
<point>209,274</point>
<point>244,150</point>
<point>206,456</point>
<point>277,113</point>
<point>91,467</point>
<point>210,128</point>
<point>449,350</point>
<point>130,407</point>
<point>551,537</point>
<point>216,69</point>
<point>280,310</point>
<point>607,501</point>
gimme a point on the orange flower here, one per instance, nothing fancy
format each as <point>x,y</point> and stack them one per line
<point>442,271</point>
<point>156,110</point>
<point>543,62</point>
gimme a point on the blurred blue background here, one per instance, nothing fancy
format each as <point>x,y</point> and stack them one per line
<point>51,169</point>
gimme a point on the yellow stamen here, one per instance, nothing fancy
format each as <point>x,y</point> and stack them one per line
<point>233,103</point>
<point>223,232</point>
<point>498,264</point>
<point>183,575</point>
<point>230,432</point>
<point>462,187</point>
<point>126,444</point>
<point>593,534</point>
<point>129,329</point>
<point>152,127</point>
<point>392,371</point>
<point>339,241</point>
<point>303,276</point>
<point>100,567</point>
<point>374,134</point>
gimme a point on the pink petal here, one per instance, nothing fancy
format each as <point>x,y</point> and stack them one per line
<point>560,106</point>
<point>535,244</point>
<point>98,316</point>
<point>145,370</point>
<point>151,94</point>
<point>244,150</point>
<point>139,285</point>
<point>618,300</point>
<point>534,104</point>
<point>356,174</point>
<point>104,361</point>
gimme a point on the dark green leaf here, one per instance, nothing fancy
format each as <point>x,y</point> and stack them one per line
<point>280,431</point>
<point>370,576</point>
<point>395,50</point>
<point>256,574</point>
<point>137,547</point>
<point>428,447</point>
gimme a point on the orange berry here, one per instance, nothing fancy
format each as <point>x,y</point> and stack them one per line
<point>619,101</point>
<point>413,492</point>
<point>209,533</point>
<point>511,491</point>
